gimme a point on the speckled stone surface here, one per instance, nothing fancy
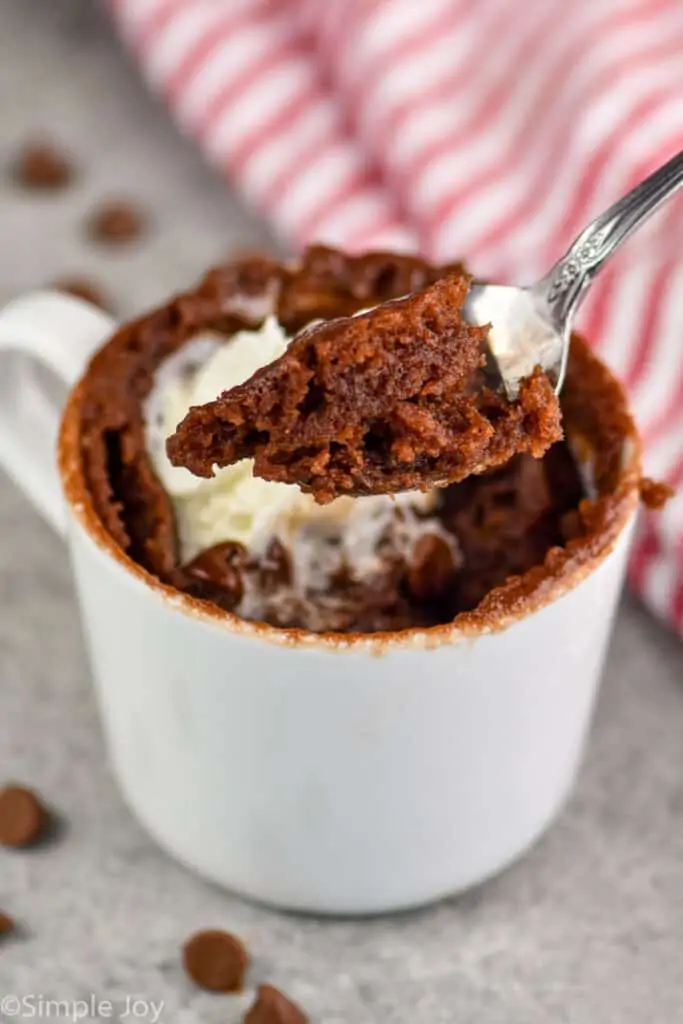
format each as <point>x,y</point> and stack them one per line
<point>588,929</point>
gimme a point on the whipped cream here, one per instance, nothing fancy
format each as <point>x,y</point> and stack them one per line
<point>235,505</point>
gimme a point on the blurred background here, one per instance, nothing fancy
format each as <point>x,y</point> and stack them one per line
<point>67,84</point>
<point>146,209</point>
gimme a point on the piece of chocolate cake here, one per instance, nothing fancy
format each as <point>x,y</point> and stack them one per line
<point>386,401</point>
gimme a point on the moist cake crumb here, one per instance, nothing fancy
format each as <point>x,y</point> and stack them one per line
<point>390,400</point>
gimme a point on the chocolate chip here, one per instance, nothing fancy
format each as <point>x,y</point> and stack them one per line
<point>22,816</point>
<point>275,567</point>
<point>272,1007</point>
<point>432,569</point>
<point>6,924</point>
<point>220,566</point>
<point>216,961</point>
<point>40,165</point>
<point>116,222</point>
<point>82,288</point>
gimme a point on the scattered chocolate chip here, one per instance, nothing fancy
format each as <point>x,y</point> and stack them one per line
<point>22,816</point>
<point>216,961</point>
<point>6,924</point>
<point>432,569</point>
<point>40,165</point>
<point>116,222</point>
<point>653,494</point>
<point>84,289</point>
<point>272,1007</point>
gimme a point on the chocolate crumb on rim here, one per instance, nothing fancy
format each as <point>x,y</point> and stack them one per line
<point>216,961</point>
<point>105,420</point>
<point>6,924</point>
<point>655,494</point>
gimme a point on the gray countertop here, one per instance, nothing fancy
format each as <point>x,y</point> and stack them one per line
<point>588,929</point>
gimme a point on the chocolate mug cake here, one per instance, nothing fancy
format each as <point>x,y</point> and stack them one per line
<point>267,552</point>
<point>354,707</point>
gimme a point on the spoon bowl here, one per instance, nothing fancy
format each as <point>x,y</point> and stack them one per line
<point>522,335</point>
<point>531,326</point>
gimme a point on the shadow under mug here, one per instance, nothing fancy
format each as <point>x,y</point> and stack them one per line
<point>336,775</point>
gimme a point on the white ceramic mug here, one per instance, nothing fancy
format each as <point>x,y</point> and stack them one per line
<point>339,777</point>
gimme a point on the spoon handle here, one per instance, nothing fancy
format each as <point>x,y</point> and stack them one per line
<point>563,288</point>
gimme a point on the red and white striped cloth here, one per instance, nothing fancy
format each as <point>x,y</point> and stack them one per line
<point>488,130</point>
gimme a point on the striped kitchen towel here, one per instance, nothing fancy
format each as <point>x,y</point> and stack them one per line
<point>490,131</point>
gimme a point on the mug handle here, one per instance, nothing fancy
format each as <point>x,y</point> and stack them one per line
<point>46,341</point>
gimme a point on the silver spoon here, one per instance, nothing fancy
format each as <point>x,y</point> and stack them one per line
<point>531,326</point>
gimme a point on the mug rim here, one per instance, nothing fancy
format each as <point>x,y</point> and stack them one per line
<point>537,588</point>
